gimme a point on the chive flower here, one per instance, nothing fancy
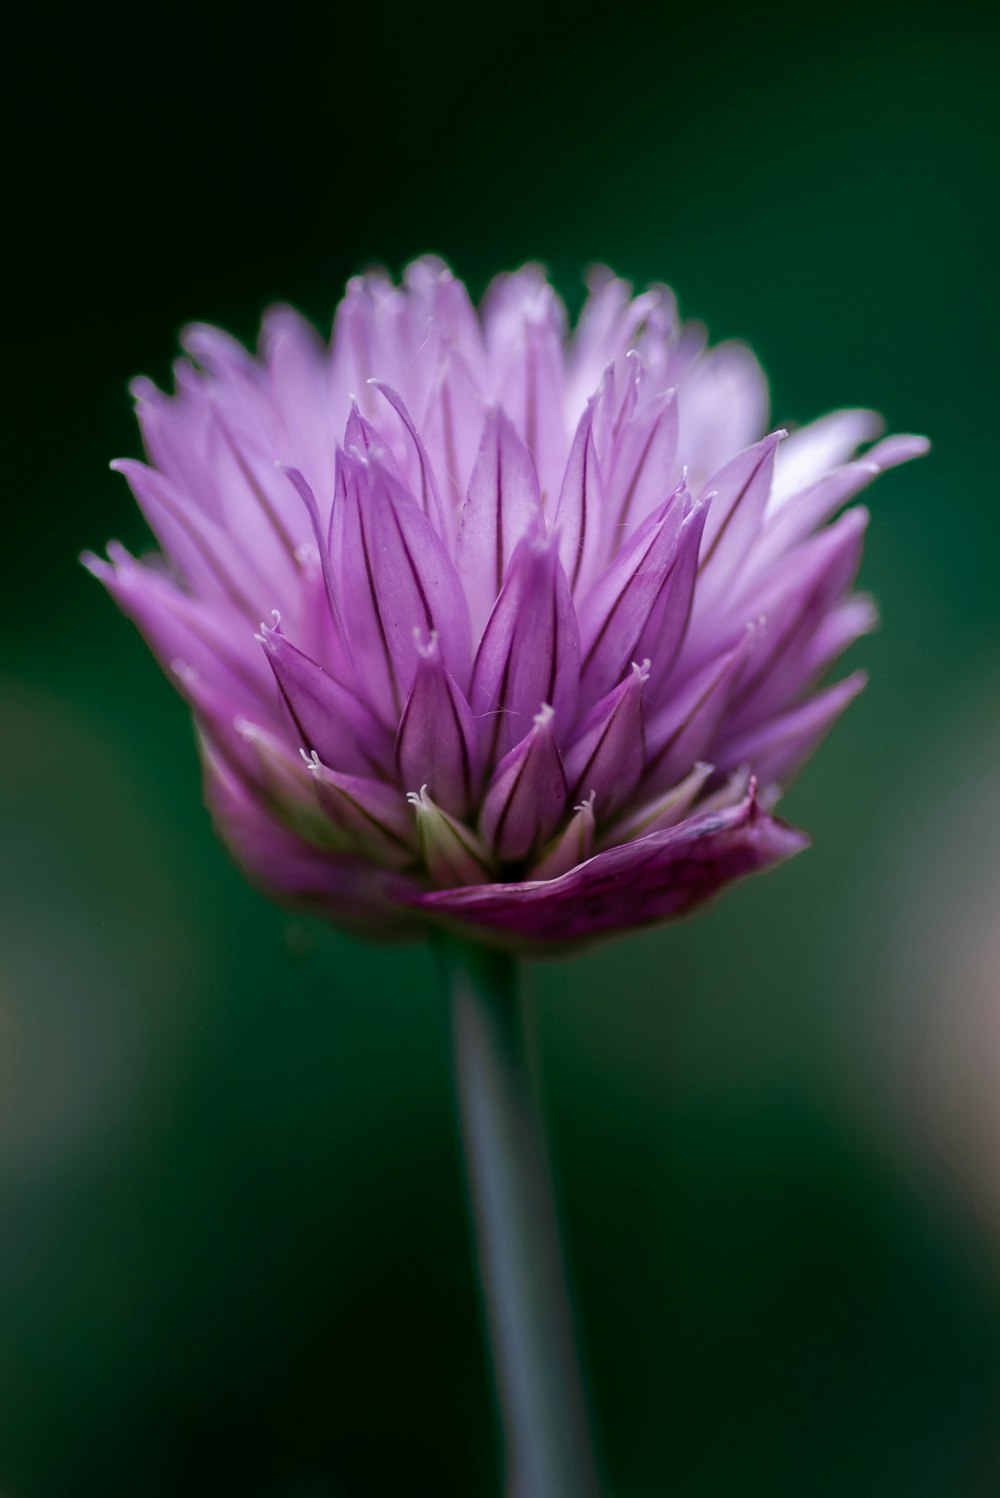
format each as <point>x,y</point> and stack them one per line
<point>547,613</point>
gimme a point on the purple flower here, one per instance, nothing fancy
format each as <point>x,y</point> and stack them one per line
<point>546,612</point>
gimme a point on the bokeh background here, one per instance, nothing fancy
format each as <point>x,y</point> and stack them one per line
<point>233,1251</point>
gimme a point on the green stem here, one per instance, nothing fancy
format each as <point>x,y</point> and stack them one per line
<point>547,1441</point>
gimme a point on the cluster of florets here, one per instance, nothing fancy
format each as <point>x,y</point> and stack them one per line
<point>547,613</point>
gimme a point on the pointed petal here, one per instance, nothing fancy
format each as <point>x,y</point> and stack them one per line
<point>526,798</point>
<point>663,811</point>
<point>656,878</point>
<point>285,787</point>
<point>613,321</point>
<point>370,308</point>
<point>220,354</point>
<point>370,816</point>
<point>450,312</point>
<point>809,654</point>
<point>316,631</point>
<point>776,749</point>
<point>640,475</point>
<point>450,426</point>
<point>739,497</point>
<point>524,324</point>
<point>812,450</point>
<point>394,576</point>
<point>655,335</point>
<point>580,513</point>
<point>450,850</point>
<point>855,617</point>
<point>723,408</point>
<point>640,606</point>
<point>501,507</point>
<point>608,751</point>
<point>610,413</point>
<point>232,433</point>
<point>543,395</point>
<point>508,298</point>
<point>321,541</point>
<point>260,761</point>
<point>349,890</point>
<point>530,650</point>
<point>683,731</point>
<point>174,435</point>
<point>898,448</point>
<point>803,512</point>
<point>211,559</point>
<point>436,743</point>
<point>359,432</point>
<point>735,788</point>
<point>178,627</point>
<point>296,361</point>
<point>667,625</point>
<point>795,600</point>
<point>427,493</point>
<point>242,447</point>
<point>327,717</point>
<point>222,721</point>
<point>572,846</point>
<point>616,610</point>
<point>598,336</point>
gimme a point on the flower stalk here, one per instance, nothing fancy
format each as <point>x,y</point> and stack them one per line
<point>548,1447</point>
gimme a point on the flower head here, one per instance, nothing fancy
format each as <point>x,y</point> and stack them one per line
<point>545,613</point>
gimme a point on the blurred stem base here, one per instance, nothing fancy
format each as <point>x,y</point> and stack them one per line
<point>549,1452</point>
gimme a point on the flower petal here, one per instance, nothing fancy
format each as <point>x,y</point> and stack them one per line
<point>640,606</point>
<point>802,513</point>
<point>427,490</point>
<point>655,879</point>
<point>326,715</point>
<point>450,425</point>
<point>794,601</point>
<point>581,509</point>
<point>212,560</point>
<point>723,404</point>
<point>394,576</point>
<point>776,749</point>
<point>436,742</point>
<point>663,636</point>
<point>526,798</point>
<point>530,650</point>
<point>812,450</point>
<point>178,627</point>
<point>608,751</point>
<point>664,811</point>
<point>371,817</point>
<point>524,324</point>
<point>640,470</point>
<point>355,893</point>
<point>296,361</point>
<point>683,731</point>
<point>613,321</point>
<point>501,507</point>
<point>739,497</point>
<point>571,846</point>
<point>451,851</point>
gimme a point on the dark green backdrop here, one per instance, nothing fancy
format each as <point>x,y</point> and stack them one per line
<point>232,1241</point>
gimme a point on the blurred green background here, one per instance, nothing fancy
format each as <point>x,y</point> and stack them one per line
<point>233,1252</point>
